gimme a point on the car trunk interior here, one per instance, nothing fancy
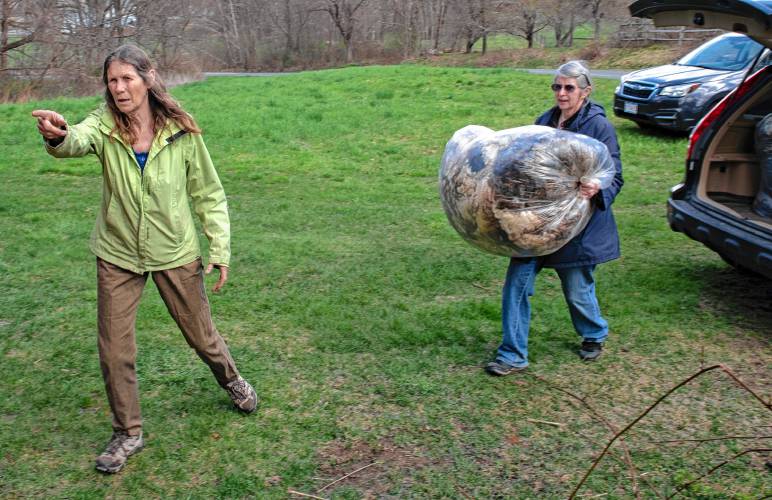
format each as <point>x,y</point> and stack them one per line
<point>731,175</point>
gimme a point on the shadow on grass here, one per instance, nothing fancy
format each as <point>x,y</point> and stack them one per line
<point>745,297</point>
<point>658,133</point>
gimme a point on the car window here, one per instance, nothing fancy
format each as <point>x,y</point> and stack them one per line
<point>764,60</point>
<point>727,52</point>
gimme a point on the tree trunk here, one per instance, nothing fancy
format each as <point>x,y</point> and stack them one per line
<point>530,29</point>
<point>438,26</point>
<point>349,49</point>
<point>559,36</point>
<point>596,15</point>
<point>288,33</point>
<point>484,27</point>
<point>5,15</point>
<point>343,18</point>
<point>470,41</point>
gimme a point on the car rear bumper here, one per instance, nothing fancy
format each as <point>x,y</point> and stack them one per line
<point>751,250</point>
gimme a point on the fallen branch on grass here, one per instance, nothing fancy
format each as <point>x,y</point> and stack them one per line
<point>628,459</point>
<point>477,285</point>
<point>306,495</point>
<point>344,477</point>
<point>706,440</point>
<point>619,434</point>
<point>714,469</point>
<point>555,424</point>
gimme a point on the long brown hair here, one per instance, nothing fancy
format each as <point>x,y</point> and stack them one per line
<point>163,106</point>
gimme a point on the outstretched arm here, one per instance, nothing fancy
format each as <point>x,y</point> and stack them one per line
<point>66,141</point>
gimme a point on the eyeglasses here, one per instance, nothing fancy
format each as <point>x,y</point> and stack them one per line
<point>556,87</point>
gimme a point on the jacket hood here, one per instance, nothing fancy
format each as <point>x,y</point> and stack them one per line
<point>588,112</point>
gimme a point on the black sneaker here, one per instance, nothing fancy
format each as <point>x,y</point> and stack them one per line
<point>590,350</point>
<point>118,451</point>
<point>243,395</point>
<point>499,368</point>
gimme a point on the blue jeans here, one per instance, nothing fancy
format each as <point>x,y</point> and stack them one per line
<point>578,289</point>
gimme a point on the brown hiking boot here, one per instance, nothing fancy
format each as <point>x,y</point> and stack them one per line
<point>119,449</point>
<point>243,395</point>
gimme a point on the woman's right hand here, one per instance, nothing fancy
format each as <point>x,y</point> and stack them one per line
<point>51,124</point>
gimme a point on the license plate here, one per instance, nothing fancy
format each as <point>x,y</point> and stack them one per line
<point>631,107</point>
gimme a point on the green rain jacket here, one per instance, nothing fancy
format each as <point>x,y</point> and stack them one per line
<point>145,221</point>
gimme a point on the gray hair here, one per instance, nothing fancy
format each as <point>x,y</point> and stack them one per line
<point>575,69</point>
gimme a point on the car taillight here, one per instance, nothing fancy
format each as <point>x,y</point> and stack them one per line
<point>719,109</point>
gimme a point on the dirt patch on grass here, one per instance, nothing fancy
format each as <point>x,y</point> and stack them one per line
<point>392,466</point>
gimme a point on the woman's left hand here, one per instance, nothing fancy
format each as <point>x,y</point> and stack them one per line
<point>588,189</point>
<point>223,276</point>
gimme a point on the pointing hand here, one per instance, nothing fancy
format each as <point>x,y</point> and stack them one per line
<point>51,124</point>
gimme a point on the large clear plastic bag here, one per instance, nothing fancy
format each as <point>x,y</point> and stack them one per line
<point>516,192</point>
<point>762,204</point>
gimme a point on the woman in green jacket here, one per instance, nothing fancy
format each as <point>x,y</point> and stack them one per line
<point>153,160</point>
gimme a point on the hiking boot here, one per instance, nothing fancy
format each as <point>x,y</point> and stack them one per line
<point>499,368</point>
<point>590,350</point>
<point>119,449</point>
<point>243,395</point>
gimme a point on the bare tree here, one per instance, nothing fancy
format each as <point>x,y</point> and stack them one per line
<point>474,24</point>
<point>22,23</point>
<point>168,29</point>
<point>603,9</point>
<point>291,18</point>
<point>525,18</point>
<point>405,19</point>
<point>562,16</point>
<point>438,11</point>
<point>343,15</point>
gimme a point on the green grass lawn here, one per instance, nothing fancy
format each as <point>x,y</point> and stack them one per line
<point>363,319</point>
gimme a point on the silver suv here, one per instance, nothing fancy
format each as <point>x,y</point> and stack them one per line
<point>676,96</point>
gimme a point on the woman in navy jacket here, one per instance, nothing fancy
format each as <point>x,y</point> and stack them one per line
<point>576,261</point>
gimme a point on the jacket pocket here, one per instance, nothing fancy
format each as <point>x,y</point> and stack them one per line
<point>113,230</point>
<point>178,228</point>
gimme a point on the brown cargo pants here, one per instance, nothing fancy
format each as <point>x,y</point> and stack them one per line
<point>119,292</point>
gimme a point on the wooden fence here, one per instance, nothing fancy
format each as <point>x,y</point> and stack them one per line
<point>637,33</point>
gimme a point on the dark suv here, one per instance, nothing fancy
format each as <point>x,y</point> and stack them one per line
<point>675,96</point>
<point>723,201</point>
